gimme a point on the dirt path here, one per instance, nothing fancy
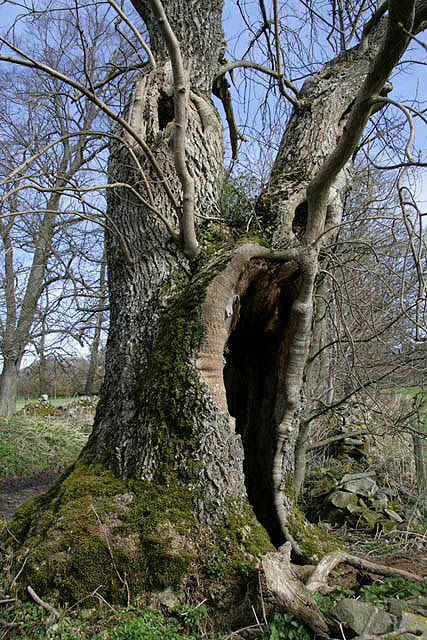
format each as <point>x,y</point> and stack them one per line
<point>15,491</point>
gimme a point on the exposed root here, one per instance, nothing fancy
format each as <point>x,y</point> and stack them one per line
<point>290,592</point>
<point>319,577</point>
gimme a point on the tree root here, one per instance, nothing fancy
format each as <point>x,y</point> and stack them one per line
<point>283,582</point>
<point>318,579</point>
<point>290,592</point>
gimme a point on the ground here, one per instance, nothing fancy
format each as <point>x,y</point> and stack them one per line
<point>15,491</point>
<point>54,442</point>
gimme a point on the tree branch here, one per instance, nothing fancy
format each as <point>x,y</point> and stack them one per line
<point>181,92</point>
<point>401,17</point>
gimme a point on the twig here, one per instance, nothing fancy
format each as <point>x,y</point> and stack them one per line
<point>18,574</point>
<point>122,580</point>
<point>235,634</point>
<point>255,614</point>
<point>136,32</point>
<point>262,599</point>
<point>91,595</point>
<point>42,603</point>
<point>102,599</point>
<point>9,532</point>
<point>10,625</point>
<point>181,92</point>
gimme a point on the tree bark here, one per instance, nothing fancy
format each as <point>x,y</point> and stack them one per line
<point>199,412</point>
<point>94,352</point>
<point>9,385</point>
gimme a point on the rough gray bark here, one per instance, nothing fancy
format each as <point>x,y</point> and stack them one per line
<point>129,433</point>
<point>194,343</point>
<point>94,352</point>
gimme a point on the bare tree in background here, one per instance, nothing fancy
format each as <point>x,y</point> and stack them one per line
<point>49,147</point>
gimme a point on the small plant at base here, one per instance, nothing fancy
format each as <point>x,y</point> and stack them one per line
<point>216,565</point>
<point>393,588</point>
<point>194,617</point>
<point>326,602</point>
<point>152,625</point>
<point>286,627</point>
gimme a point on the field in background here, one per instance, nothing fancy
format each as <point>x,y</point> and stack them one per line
<point>42,436</point>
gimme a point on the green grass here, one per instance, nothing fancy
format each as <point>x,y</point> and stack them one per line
<point>30,444</point>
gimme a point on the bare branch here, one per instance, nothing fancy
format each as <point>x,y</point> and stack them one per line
<point>181,92</point>
<point>139,37</point>
<point>27,61</point>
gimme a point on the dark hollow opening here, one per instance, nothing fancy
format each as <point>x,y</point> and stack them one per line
<point>299,223</point>
<point>166,110</point>
<point>255,361</point>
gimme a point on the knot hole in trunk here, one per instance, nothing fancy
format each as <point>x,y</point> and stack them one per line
<point>166,109</point>
<point>256,356</point>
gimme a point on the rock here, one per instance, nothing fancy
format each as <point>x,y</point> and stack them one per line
<point>388,491</point>
<point>362,617</point>
<point>415,623</point>
<point>414,605</point>
<point>379,502</point>
<point>393,515</point>
<point>357,476</point>
<point>353,441</point>
<point>362,486</point>
<point>167,598</point>
<point>344,499</point>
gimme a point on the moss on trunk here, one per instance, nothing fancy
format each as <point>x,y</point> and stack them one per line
<point>130,538</point>
<point>313,542</point>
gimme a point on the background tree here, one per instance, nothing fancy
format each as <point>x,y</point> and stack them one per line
<point>182,445</point>
<point>50,143</point>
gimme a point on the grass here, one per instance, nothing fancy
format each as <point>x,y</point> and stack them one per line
<point>31,444</point>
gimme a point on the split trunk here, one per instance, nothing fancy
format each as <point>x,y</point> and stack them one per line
<point>198,418</point>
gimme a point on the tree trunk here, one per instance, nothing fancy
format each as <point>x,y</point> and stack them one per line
<point>164,449</point>
<point>42,359</point>
<point>9,385</point>
<point>199,412</point>
<point>94,352</point>
<point>420,463</point>
<point>93,360</point>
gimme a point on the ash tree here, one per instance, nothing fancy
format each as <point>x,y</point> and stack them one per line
<point>193,445</point>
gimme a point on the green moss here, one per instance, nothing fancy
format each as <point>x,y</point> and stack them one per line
<point>171,389</point>
<point>253,236</point>
<point>94,529</point>
<point>239,527</point>
<point>129,536</point>
<point>313,542</point>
